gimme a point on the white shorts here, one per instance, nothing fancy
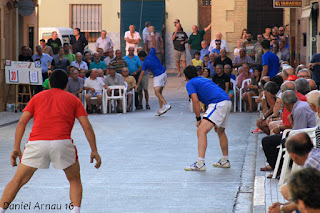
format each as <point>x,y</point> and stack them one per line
<point>219,113</point>
<point>160,80</point>
<point>39,154</point>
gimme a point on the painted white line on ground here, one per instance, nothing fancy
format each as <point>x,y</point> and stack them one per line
<point>259,191</point>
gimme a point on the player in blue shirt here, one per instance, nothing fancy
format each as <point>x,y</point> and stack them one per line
<point>219,106</point>
<point>152,63</point>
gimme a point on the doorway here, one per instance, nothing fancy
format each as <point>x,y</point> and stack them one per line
<point>261,14</point>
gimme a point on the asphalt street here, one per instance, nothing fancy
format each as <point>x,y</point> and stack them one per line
<point>143,157</point>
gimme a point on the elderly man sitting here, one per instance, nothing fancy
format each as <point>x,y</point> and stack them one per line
<point>101,74</point>
<point>94,86</point>
<point>112,79</point>
<point>242,58</point>
<point>97,63</point>
<point>78,63</point>
<point>75,83</point>
<point>304,73</point>
<point>313,101</point>
<point>131,82</point>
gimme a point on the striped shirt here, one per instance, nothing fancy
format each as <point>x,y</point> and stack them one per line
<point>318,137</point>
<point>313,159</point>
<point>118,64</point>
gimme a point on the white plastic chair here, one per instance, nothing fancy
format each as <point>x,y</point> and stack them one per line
<point>247,81</point>
<point>84,100</point>
<point>281,150</point>
<point>110,100</point>
<point>234,83</point>
<point>286,161</point>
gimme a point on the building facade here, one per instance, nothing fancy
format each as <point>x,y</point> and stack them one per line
<point>304,32</point>
<point>16,30</point>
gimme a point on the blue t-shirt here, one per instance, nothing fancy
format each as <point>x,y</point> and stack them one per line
<point>215,50</point>
<point>95,65</point>
<point>45,60</point>
<point>204,52</point>
<point>152,63</point>
<point>208,92</point>
<point>272,60</point>
<point>133,63</point>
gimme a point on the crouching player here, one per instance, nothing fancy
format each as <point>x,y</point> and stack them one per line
<point>219,106</point>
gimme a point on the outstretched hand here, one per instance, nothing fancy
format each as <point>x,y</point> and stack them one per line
<point>96,156</point>
<point>14,155</point>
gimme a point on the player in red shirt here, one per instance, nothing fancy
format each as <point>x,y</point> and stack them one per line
<point>54,112</point>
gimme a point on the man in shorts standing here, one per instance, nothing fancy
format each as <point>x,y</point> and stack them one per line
<point>152,63</point>
<point>179,38</point>
<point>219,106</point>
<point>52,144</point>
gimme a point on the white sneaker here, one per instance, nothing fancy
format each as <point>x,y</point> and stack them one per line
<point>196,167</point>
<point>166,108</point>
<point>160,112</point>
<point>222,164</point>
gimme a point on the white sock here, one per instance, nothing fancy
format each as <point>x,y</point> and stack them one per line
<point>76,209</point>
<point>200,160</point>
<point>2,210</point>
<point>224,158</point>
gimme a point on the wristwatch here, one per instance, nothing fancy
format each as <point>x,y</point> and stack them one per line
<point>281,209</point>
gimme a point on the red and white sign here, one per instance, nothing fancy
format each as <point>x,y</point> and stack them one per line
<point>14,76</point>
<point>20,72</point>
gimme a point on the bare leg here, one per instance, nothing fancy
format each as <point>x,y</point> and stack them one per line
<point>99,101</point>
<point>250,101</point>
<point>158,93</point>
<point>202,132</point>
<point>130,97</point>
<point>184,64</point>
<point>73,176</point>
<point>22,176</point>
<point>80,96</point>
<point>178,68</point>
<point>223,140</point>
<point>88,100</point>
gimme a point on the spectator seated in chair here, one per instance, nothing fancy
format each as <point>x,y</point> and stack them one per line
<point>94,87</point>
<point>131,81</point>
<point>113,79</point>
<point>75,83</point>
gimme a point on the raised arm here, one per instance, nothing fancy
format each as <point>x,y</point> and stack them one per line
<point>207,28</point>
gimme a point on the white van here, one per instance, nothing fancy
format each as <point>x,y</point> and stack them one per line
<point>64,33</point>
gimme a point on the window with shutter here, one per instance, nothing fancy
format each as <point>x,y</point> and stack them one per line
<point>88,18</point>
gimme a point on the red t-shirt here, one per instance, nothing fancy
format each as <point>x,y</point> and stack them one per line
<point>54,113</point>
<point>286,113</point>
